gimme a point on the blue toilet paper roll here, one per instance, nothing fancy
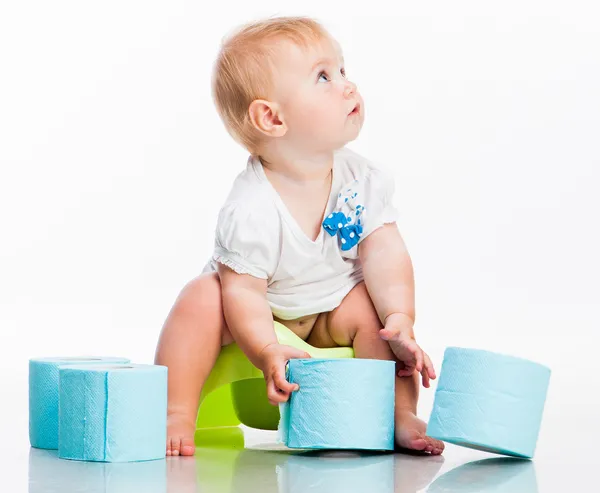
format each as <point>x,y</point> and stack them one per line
<point>341,404</point>
<point>489,401</point>
<point>112,413</point>
<point>43,396</point>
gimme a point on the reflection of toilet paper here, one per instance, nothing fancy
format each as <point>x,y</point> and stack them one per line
<point>49,474</point>
<point>489,401</point>
<point>341,404</point>
<point>112,413</point>
<point>43,397</point>
<point>489,475</point>
<point>330,473</point>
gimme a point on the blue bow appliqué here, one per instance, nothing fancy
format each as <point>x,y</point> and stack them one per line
<point>337,223</point>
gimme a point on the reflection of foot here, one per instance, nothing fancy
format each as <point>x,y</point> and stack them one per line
<point>413,472</point>
<point>410,434</point>
<point>182,475</point>
<point>180,434</point>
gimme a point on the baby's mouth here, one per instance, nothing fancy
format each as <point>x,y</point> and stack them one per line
<point>355,110</point>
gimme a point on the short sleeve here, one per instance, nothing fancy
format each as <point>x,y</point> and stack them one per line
<point>246,240</point>
<point>379,191</point>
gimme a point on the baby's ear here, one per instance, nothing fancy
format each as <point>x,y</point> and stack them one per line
<point>265,116</point>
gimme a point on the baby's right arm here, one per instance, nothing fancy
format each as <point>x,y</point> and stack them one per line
<point>250,321</point>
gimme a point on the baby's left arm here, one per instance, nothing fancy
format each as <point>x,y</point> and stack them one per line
<point>389,278</point>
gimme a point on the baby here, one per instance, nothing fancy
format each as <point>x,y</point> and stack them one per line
<point>306,237</point>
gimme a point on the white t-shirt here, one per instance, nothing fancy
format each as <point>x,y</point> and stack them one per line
<point>257,235</point>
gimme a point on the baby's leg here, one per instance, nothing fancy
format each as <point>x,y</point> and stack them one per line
<point>356,323</point>
<point>189,344</point>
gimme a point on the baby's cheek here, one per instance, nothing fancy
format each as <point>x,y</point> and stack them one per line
<point>316,122</point>
<point>305,116</point>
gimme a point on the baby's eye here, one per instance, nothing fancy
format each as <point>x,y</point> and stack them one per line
<point>323,73</point>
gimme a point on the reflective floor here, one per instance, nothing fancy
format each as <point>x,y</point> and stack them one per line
<point>245,460</point>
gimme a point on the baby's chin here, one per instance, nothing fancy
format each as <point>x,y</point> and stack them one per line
<point>354,123</point>
<point>353,133</point>
<point>350,133</point>
<point>334,142</point>
<point>349,137</point>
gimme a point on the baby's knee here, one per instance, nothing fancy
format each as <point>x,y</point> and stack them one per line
<point>356,314</point>
<point>200,303</point>
<point>201,293</point>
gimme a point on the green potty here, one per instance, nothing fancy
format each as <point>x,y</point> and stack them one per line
<point>235,391</point>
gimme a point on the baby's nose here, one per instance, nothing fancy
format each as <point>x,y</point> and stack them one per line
<point>349,89</point>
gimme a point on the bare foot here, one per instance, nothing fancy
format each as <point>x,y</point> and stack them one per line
<point>180,434</point>
<point>410,434</point>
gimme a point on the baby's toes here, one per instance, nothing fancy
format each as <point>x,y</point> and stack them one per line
<point>435,447</point>
<point>187,446</point>
<point>175,445</point>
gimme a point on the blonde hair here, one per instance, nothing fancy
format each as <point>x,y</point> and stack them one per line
<point>243,70</point>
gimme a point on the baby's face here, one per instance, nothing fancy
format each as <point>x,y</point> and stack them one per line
<point>323,110</point>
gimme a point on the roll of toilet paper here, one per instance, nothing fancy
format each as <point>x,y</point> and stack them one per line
<point>43,396</point>
<point>489,401</point>
<point>112,413</point>
<point>49,474</point>
<point>341,404</point>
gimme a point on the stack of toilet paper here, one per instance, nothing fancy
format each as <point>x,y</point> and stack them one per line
<point>98,409</point>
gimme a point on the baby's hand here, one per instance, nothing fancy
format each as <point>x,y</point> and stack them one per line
<point>408,352</point>
<point>273,360</point>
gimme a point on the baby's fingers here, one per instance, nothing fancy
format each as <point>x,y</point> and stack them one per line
<point>389,334</point>
<point>407,369</point>
<point>283,384</point>
<point>429,366</point>
<point>427,372</point>
<point>425,377</point>
<point>417,354</point>
<point>274,395</point>
<point>419,357</point>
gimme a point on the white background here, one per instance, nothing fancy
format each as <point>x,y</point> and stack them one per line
<point>114,164</point>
